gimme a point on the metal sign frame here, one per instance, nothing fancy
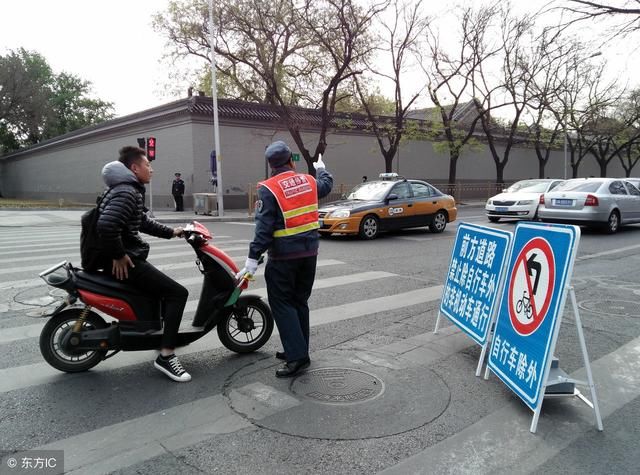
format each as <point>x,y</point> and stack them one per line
<point>555,312</point>
<point>483,232</point>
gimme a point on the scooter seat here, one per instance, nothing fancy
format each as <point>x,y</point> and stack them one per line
<point>104,280</point>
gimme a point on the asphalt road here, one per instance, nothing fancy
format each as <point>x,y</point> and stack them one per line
<point>373,312</point>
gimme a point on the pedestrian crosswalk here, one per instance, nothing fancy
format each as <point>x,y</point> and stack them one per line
<point>342,292</point>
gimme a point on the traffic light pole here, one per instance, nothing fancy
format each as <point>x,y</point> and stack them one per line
<point>216,131</point>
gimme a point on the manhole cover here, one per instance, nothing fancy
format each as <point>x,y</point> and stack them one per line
<point>621,308</point>
<point>337,386</point>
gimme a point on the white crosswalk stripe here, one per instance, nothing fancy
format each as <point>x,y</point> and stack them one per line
<point>18,268</point>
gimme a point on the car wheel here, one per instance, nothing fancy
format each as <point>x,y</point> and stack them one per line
<point>613,223</point>
<point>493,219</point>
<point>369,227</point>
<point>439,222</point>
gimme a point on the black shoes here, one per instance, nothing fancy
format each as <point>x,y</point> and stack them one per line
<point>171,367</point>
<point>281,355</point>
<point>292,368</point>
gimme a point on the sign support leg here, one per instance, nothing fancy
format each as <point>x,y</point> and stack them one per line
<point>482,355</point>
<point>587,365</point>
<point>536,415</point>
<point>435,330</point>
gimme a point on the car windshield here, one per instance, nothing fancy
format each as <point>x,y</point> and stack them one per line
<point>372,190</point>
<point>580,185</point>
<point>529,186</point>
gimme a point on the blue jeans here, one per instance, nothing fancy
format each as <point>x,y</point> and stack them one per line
<point>289,284</point>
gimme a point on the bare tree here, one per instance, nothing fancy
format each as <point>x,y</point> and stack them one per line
<point>285,53</point>
<point>625,13</point>
<point>449,80</point>
<point>511,91</point>
<point>616,131</point>
<point>398,39</point>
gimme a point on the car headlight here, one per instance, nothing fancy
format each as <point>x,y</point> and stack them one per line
<point>489,202</point>
<point>525,202</point>
<point>340,213</point>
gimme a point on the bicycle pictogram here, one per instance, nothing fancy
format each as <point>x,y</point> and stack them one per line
<point>525,304</point>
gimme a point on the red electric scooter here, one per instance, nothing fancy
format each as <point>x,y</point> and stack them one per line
<point>76,338</point>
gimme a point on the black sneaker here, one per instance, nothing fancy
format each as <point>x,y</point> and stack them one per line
<point>171,366</point>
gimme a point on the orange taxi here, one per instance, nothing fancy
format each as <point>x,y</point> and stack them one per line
<point>390,203</point>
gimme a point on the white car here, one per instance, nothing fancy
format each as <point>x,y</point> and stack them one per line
<point>520,200</point>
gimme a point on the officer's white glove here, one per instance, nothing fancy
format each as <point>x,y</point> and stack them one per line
<point>250,267</point>
<point>319,164</point>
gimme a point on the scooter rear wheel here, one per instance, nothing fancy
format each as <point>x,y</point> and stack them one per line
<point>248,327</point>
<point>63,359</point>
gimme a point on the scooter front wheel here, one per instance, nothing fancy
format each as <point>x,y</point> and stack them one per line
<point>64,359</point>
<point>247,327</point>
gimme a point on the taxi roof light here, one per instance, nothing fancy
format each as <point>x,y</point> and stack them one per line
<point>390,176</point>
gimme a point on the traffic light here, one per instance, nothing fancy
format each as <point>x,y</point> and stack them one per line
<point>151,148</point>
<point>142,143</point>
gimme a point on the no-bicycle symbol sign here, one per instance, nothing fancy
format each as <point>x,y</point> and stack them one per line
<point>531,286</point>
<point>531,307</point>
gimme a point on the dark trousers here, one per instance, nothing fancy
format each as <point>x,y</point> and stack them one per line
<point>179,202</point>
<point>150,281</point>
<point>289,284</point>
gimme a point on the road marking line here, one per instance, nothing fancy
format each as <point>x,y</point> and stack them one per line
<point>75,244</point>
<point>62,257</point>
<point>127,443</point>
<point>474,449</point>
<point>21,377</point>
<point>607,253</point>
<point>24,332</point>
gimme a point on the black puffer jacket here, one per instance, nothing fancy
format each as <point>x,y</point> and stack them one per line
<point>122,215</point>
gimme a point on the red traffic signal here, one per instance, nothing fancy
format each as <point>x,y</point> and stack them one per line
<point>151,148</point>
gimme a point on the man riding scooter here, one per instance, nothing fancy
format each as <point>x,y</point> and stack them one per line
<point>121,217</point>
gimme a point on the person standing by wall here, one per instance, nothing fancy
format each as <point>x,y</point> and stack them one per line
<point>177,190</point>
<point>287,225</point>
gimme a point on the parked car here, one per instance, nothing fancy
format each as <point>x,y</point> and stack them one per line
<point>634,181</point>
<point>604,202</point>
<point>520,200</point>
<point>393,202</point>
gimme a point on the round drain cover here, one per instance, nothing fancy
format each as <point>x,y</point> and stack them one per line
<point>344,395</point>
<point>337,386</point>
<point>621,308</point>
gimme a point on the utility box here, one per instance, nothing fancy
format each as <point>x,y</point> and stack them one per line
<point>205,203</point>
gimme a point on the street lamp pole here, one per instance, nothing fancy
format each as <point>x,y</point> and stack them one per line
<point>216,131</point>
<point>565,152</point>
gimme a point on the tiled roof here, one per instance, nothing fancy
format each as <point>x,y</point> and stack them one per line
<point>251,111</point>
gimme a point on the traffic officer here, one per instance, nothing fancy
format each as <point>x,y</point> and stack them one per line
<point>286,217</point>
<point>177,190</point>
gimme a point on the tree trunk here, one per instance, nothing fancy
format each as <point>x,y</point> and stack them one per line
<point>453,165</point>
<point>574,170</point>
<point>603,167</point>
<point>388,163</point>
<point>500,173</point>
<point>541,166</point>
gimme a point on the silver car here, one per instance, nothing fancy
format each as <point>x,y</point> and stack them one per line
<point>603,202</point>
<point>634,181</point>
<point>520,200</point>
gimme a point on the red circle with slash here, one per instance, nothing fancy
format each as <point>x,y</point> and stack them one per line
<point>531,286</point>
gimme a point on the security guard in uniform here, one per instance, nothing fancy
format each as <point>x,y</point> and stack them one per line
<point>286,225</point>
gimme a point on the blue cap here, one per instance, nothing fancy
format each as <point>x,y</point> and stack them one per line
<point>278,154</point>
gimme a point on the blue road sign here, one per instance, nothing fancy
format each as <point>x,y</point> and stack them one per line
<point>474,278</point>
<point>531,306</point>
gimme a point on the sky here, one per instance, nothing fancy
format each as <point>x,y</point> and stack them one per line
<point>113,45</point>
